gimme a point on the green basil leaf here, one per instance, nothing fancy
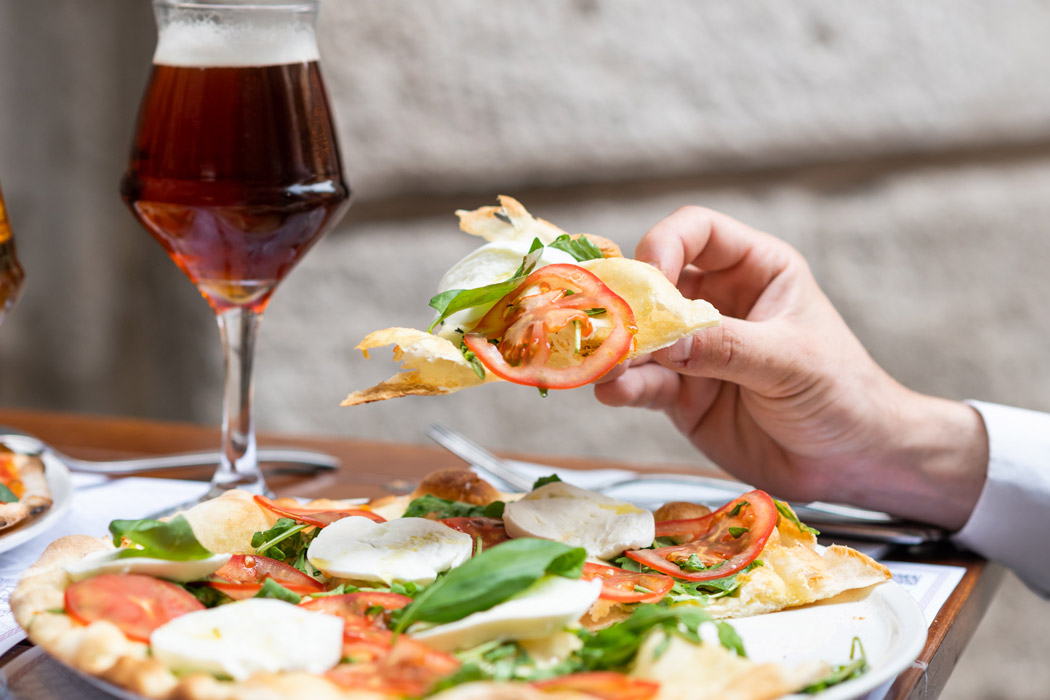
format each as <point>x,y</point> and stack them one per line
<point>580,248</point>
<point>544,480</point>
<point>272,589</point>
<point>7,495</point>
<point>172,540</point>
<point>491,578</point>
<point>452,300</point>
<point>431,506</point>
<point>785,512</point>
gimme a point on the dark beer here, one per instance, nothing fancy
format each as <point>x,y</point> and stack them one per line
<point>236,172</point>
<point>11,274</point>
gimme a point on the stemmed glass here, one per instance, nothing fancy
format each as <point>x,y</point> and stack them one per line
<point>11,274</point>
<point>236,172</point>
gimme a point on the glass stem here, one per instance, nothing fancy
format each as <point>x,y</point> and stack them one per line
<point>239,467</point>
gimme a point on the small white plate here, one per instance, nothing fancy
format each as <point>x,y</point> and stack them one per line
<point>61,485</point>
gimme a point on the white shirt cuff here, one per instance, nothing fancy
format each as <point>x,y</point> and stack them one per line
<point>1011,521</point>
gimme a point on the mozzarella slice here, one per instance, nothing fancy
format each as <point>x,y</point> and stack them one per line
<point>548,606</point>
<point>604,526</point>
<point>258,634</point>
<point>107,562</point>
<point>491,263</point>
<point>407,550</point>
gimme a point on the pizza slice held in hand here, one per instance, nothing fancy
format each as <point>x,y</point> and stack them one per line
<point>534,306</point>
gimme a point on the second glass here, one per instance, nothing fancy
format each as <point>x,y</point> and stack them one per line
<point>236,171</point>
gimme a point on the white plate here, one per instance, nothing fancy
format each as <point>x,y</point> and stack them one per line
<point>61,485</point>
<point>885,617</point>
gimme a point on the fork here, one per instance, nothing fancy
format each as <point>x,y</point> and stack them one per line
<point>296,460</point>
<point>833,518</point>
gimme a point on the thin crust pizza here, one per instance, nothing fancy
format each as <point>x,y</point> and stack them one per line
<point>453,592</point>
<point>24,492</point>
<point>537,306</point>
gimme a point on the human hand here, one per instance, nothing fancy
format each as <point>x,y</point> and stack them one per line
<point>783,395</point>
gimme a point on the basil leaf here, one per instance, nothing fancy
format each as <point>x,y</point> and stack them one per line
<point>172,540</point>
<point>430,506</point>
<point>580,248</point>
<point>544,480</point>
<point>272,589</point>
<point>491,578</point>
<point>7,495</point>
<point>452,300</point>
<point>785,512</point>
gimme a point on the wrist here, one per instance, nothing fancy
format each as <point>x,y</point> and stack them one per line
<point>936,466</point>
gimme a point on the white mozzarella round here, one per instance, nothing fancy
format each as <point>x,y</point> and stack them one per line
<point>548,606</point>
<point>604,526</point>
<point>491,263</point>
<point>258,634</point>
<point>107,562</point>
<point>407,549</point>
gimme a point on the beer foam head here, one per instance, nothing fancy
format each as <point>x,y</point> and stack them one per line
<point>204,44</point>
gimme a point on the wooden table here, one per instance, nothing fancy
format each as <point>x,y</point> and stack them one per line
<point>372,468</point>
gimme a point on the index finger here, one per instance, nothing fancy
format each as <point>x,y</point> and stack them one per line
<point>710,241</point>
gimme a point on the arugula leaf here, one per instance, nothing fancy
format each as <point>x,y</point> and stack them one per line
<point>580,248</point>
<point>452,300</point>
<point>785,512</point>
<point>544,480</point>
<point>697,591</point>
<point>172,540</point>
<point>738,532</point>
<point>730,639</point>
<point>472,360</point>
<point>491,578</point>
<point>208,596</point>
<point>441,508</point>
<point>845,672</point>
<point>287,541</point>
<point>617,645</point>
<point>272,589</point>
<point>7,495</point>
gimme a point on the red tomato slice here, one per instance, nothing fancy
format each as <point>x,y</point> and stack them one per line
<point>525,322</point>
<point>243,575</point>
<point>727,540</point>
<point>134,603</point>
<point>620,585</point>
<point>607,685</point>
<point>318,517</point>
<point>490,530</point>
<point>355,607</point>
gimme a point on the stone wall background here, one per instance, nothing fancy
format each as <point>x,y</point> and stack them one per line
<point>903,147</point>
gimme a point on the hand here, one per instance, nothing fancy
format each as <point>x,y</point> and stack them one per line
<point>783,395</point>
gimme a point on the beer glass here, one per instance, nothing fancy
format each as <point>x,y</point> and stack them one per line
<point>236,172</point>
<point>11,274</point>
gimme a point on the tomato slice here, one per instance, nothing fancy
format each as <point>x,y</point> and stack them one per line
<point>381,663</point>
<point>318,517</point>
<point>244,574</point>
<point>621,586</point>
<point>607,685</point>
<point>515,338</point>
<point>490,530</point>
<point>726,540</point>
<point>136,604</point>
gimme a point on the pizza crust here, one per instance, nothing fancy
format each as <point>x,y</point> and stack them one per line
<point>36,497</point>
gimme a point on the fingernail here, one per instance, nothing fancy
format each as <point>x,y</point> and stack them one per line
<point>680,352</point>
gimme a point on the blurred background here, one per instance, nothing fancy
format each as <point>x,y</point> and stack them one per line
<point>903,147</point>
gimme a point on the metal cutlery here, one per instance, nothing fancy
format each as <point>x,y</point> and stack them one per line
<point>831,518</point>
<point>292,459</point>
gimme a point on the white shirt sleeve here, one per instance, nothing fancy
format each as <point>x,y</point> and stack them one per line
<point>1011,521</point>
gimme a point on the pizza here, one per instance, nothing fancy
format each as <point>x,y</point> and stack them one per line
<point>536,306</point>
<point>454,592</point>
<point>24,492</point>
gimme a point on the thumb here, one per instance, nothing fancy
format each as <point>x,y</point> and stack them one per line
<point>747,353</point>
